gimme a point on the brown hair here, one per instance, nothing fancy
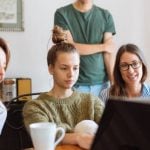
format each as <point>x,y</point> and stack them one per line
<point>5,48</point>
<point>59,37</point>
<point>118,89</point>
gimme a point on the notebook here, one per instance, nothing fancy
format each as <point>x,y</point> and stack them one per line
<point>125,125</point>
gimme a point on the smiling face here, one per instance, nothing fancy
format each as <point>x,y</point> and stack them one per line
<point>131,76</point>
<point>2,64</point>
<point>65,71</point>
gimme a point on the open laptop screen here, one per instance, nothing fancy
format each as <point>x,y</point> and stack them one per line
<point>125,125</point>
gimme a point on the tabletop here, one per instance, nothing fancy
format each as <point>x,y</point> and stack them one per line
<point>68,147</point>
<point>63,147</point>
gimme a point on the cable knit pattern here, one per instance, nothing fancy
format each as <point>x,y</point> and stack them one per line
<point>65,112</point>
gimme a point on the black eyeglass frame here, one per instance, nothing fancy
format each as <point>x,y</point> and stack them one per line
<point>125,66</point>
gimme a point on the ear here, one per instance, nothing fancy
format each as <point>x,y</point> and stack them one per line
<point>50,69</point>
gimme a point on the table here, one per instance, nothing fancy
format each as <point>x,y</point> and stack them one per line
<point>68,147</point>
<point>63,147</point>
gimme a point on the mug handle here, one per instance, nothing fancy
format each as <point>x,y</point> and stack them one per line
<point>61,136</point>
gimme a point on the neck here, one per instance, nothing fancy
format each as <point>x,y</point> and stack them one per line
<point>83,7</point>
<point>134,91</point>
<point>60,93</point>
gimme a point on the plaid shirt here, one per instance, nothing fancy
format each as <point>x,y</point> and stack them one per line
<point>104,95</point>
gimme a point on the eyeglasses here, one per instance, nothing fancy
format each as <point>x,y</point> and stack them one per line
<point>134,65</point>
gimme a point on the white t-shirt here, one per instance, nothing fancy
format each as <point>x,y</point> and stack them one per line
<point>3,115</point>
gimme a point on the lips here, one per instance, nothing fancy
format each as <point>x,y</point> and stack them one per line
<point>69,81</point>
<point>133,77</point>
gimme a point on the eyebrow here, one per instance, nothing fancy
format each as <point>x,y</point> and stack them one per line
<point>131,61</point>
<point>68,65</point>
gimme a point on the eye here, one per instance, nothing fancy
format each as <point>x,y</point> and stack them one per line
<point>76,68</point>
<point>135,64</point>
<point>123,65</point>
<point>3,66</point>
<point>63,68</point>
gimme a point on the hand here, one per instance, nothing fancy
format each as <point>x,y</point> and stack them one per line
<point>69,38</point>
<point>85,140</point>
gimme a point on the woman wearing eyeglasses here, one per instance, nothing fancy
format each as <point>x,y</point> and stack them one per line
<point>130,73</point>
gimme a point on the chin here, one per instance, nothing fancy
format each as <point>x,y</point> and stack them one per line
<point>1,79</point>
<point>68,87</point>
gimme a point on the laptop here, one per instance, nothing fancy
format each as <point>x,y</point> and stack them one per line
<point>125,125</point>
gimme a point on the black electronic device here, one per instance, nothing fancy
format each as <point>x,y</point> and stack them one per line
<point>125,125</point>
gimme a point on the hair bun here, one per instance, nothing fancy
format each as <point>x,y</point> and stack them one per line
<point>59,35</point>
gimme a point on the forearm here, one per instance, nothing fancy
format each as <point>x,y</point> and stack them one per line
<point>70,138</point>
<point>109,63</point>
<point>88,49</point>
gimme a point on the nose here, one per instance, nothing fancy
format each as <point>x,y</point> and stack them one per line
<point>131,70</point>
<point>70,72</point>
<point>2,70</point>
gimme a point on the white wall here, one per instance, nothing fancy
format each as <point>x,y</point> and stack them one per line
<point>29,48</point>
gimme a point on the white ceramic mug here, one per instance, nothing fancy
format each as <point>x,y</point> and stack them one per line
<point>43,135</point>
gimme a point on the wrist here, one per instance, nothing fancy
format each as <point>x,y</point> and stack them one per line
<point>77,138</point>
<point>102,48</point>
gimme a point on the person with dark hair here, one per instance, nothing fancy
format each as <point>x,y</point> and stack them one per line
<point>130,73</point>
<point>90,29</point>
<point>4,59</point>
<point>62,104</point>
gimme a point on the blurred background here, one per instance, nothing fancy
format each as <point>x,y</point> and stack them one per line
<point>29,47</point>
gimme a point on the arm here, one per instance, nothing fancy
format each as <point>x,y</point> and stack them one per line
<point>108,46</point>
<point>109,57</point>
<point>32,112</point>
<point>104,95</point>
<point>83,140</point>
<point>3,115</point>
<point>98,109</point>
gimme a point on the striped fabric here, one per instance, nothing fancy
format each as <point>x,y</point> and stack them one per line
<point>104,95</point>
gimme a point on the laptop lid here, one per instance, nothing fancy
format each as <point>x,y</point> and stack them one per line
<point>125,125</point>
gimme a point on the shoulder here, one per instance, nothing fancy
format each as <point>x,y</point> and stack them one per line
<point>146,90</point>
<point>89,98</point>
<point>3,109</point>
<point>103,14</point>
<point>106,90</point>
<point>102,10</point>
<point>37,102</point>
<point>104,94</point>
<point>3,115</point>
<point>64,8</point>
<point>2,105</point>
<point>86,96</point>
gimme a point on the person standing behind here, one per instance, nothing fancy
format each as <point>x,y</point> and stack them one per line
<point>4,59</point>
<point>90,29</point>
<point>130,73</point>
